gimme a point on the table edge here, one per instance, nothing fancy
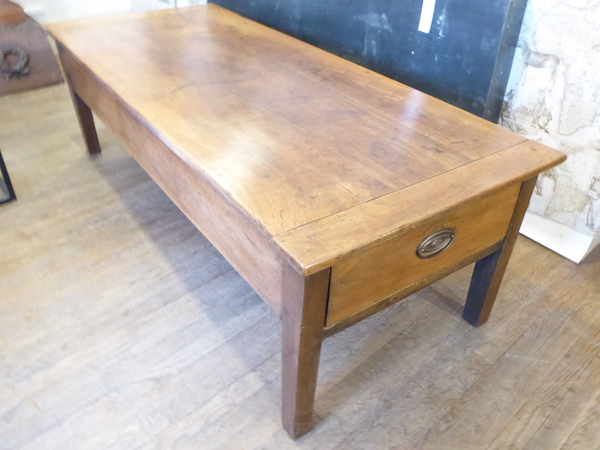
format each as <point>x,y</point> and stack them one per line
<point>311,247</point>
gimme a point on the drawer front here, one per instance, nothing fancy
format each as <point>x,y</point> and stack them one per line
<point>375,274</point>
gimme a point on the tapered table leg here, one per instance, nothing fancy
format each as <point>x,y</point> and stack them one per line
<point>86,123</point>
<point>84,115</point>
<point>304,306</point>
<point>489,271</point>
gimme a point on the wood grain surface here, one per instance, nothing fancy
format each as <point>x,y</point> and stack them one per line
<point>304,306</point>
<point>288,132</point>
<point>258,162</point>
<point>85,118</point>
<point>243,243</point>
<point>324,242</point>
<point>254,134</point>
<point>373,275</point>
<point>386,302</point>
<point>121,327</point>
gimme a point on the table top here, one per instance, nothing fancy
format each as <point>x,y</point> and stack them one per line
<point>322,154</point>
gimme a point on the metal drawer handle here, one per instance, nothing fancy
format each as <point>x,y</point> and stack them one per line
<point>436,243</point>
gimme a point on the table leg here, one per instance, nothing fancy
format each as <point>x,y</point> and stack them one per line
<point>304,306</point>
<point>84,114</point>
<point>86,123</point>
<point>489,271</point>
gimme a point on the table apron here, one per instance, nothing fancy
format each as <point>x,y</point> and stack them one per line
<point>394,268</point>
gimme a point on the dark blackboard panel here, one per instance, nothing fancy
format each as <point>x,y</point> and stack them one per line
<point>464,60</point>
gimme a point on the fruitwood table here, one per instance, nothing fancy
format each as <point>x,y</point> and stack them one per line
<point>333,190</point>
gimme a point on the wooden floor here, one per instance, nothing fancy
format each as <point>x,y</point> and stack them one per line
<point>121,327</point>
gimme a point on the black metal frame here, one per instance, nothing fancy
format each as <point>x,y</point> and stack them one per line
<point>5,184</point>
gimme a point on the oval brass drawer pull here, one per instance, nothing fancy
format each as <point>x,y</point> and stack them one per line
<point>436,243</point>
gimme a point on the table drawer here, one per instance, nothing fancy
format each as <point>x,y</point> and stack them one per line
<point>375,274</point>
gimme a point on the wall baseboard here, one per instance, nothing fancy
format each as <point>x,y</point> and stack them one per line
<point>557,237</point>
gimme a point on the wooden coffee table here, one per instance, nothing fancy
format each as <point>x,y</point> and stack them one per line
<point>334,191</point>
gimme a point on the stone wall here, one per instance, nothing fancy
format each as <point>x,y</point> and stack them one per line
<point>553,96</point>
